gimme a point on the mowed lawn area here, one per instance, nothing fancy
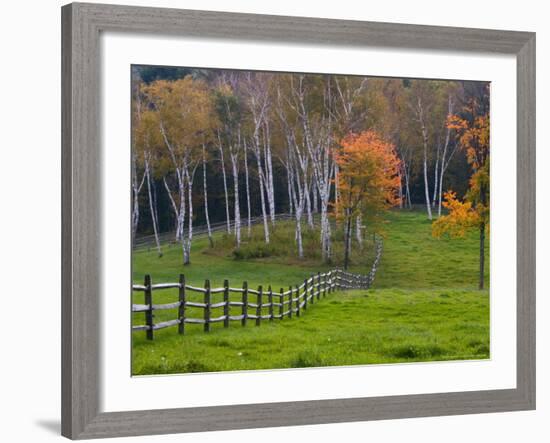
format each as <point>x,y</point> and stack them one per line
<point>424,306</point>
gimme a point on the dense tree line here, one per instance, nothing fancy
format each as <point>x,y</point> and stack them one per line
<point>212,146</point>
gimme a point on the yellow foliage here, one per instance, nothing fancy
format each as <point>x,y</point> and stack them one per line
<point>462,216</point>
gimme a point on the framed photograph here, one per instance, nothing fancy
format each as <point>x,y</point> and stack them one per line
<point>275,221</point>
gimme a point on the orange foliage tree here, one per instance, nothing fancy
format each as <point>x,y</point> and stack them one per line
<point>368,180</point>
<point>472,133</point>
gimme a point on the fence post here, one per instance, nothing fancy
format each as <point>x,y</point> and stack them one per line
<point>207,307</point>
<point>226,301</point>
<point>297,301</point>
<point>149,302</point>
<point>290,302</point>
<point>318,286</point>
<point>181,310</point>
<point>270,301</point>
<point>245,304</point>
<point>281,300</point>
<point>324,284</point>
<point>259,307</point>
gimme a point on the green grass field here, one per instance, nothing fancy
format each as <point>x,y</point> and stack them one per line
<point>424,306</point>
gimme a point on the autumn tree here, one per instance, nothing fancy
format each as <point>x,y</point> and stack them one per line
<point>185,118</point>
<point>228,105</point>
<point>147,142</point>
<point>368,180</point>
<point>472,128</point>
<point>431,101</point>
<point>256,87</point>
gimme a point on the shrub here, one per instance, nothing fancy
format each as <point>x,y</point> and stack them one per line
<point>306,359</point>
<point>256,250</point>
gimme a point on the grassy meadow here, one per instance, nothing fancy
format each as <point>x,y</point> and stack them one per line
<point>424,305</point>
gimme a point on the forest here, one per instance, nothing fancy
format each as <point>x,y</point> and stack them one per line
<point>333,152</point>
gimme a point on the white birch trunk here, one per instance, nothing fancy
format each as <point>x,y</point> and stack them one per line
<point>258,98</point>
<point>298,202</point>
<point>288,184</point>
<point>444,160</point>
<point>249,224</point>
<point>359,231</point>
<point>407,187</point>
<point>308,210</point>
<point>262,198</point>
<point>400,190</point>
<point>237,216</point>
<point>204,185</point>
<point>420,113</point>
<point>269,172</point>
<point>187,242</point>
<point>136,189</point>
<point>224,175</point>
<point>152,208</point>
<point>436,176</point>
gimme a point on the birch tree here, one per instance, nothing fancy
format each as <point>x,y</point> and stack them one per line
<point>296,158</point>
<point>312,103</point>
<point>258,100</point>
<point>184,112</point>
<point>420,108</point>
<point>147,143</point>
<point>229,111</point>
<point>224,176</point>
<point>137,151</point>
<point>247,187</point>
<point>205,190</point>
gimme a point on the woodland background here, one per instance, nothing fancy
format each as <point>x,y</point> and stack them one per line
<point>213,145</point>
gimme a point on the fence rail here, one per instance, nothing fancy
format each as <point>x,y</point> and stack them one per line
<point>252,303</point>
<point>169,237</point>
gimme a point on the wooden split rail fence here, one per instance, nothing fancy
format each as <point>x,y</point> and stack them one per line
<point>285,303</point>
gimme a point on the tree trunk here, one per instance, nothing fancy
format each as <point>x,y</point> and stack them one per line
<point>237,218</point>
<point>189,240</point>
<point>298,206</point>
<point>347,240</point>
<point>314,195</point>
<point>425,158</point>
<point>204,184</point>
<point>359,231</point>
<point>262,196</point>
<point>247,189</point>
<point>436,177</point>
<point>400,189</point>
<point>269,172</point>
<point>441,174</point>
<point>224,175</point>
<point>325,232</point>
<point>288,184</point>
<point>444,161</point>
<point>336,191</point>
<point>136,189</point>
<point>308,208</point>
<point>152,209</point>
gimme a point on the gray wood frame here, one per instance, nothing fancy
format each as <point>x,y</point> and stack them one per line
<point>81,165</point>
